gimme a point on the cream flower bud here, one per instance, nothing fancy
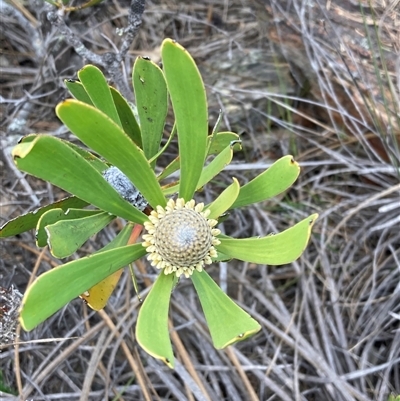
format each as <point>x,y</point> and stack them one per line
<point>180,238</point>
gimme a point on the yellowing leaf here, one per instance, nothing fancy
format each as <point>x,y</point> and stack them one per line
<point>98,296</point>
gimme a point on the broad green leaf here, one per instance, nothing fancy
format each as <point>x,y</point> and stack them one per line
<point>151,101</point>
<point>152,323</point>
<point>53,160</point>
<point>274,249</point>
<point>120,240</point>
<point>273,181</point>
<point>127,117</point>
<point>228,323</point>
<point>220,141</point>
<point>66,236</point>
<point>217,164</point>
<point>55,288</point>
<point>49,217</point>
<point>54,215</point>
<point>98,164</point>
<point>189,102</point>
<point>77,91</point>
<point>210,171</point>
<point>224,200</point>
<point>217,145</point>
<point>29,220</point>
<point>171,168</point>
<point>99,92</point>
<point>102,135</point>
<point>164,147</point>
<point>124,110</point>
<point>98,296</point>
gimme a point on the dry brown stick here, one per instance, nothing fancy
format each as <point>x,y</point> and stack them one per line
<point>232,356</point>
<point>128,355</point>
<point>186,360</point>
<point>18,330</point>
<point>28,15</point>
<point>39,253</point>
<point>93,364</point>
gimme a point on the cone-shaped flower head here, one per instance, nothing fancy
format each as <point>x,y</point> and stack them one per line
<point>180,237</point>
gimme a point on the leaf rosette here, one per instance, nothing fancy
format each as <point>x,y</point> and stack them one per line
<point>117,178</point>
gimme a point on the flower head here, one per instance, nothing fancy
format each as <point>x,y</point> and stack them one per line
<point>180,237</point>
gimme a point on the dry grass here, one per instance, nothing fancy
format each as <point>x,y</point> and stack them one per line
<point>330,321</point>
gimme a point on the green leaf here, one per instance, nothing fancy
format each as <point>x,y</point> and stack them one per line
<point>97,296</point>
<point>217,164</point>
<point>274,249</point>
<point>152,323</point>
<point>273,181</point>
<point>171,168</point>
<point>77,90</point>
<point>124,110</point>
<point>29,220</point>
<point>151,101</point>
<point>210,171</point>
<point>55,288</point>
<point>48,218</point>
<point>53,160</point>
<point>228,323</point>
<point>102,135</point>
<point>224,200</point>
<point>54,215</point>
<point>215,145</point>
<point>98,164</point>
<point>189,102</point>
<point>66,236</point>
<point>120,240</point>
<point>127,117</point>
<point>99,92</point>
<point>220,141</point>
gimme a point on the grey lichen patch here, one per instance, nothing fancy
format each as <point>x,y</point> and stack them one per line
<point>121,183</point>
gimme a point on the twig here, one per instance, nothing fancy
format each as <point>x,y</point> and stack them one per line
<point>111,62</point>
<point>134,21</point>
<point>56,19</point>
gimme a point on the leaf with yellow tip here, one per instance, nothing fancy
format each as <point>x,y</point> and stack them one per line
<point>152,322</point>
<point>228,323</point>
<point>274,249</point>
<point>188,98</point>
<point>54,289</point>
<point>276,179</point>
